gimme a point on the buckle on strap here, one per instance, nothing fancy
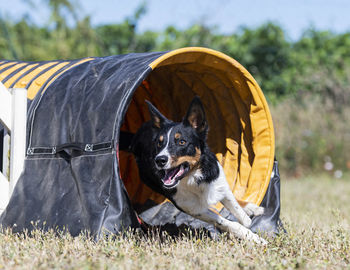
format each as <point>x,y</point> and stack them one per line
<point>89,147</point>
<point>41,150</point>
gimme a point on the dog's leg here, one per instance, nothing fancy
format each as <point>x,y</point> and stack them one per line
<point>233,206</point>
<point>232,227</point>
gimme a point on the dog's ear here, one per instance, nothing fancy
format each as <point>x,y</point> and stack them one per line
<point>195,116</point>
<point>157,118</point>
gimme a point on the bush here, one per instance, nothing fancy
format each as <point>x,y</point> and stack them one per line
<point>311,136</point>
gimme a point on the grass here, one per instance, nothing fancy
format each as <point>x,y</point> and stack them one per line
<point>315,212</point>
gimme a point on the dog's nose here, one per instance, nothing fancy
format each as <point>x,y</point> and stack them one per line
<point>161,161</point>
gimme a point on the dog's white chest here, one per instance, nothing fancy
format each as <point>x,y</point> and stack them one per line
<point>195,199</point>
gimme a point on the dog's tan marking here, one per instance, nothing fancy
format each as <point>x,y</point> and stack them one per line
<point>191,160</point>
<point>196,119</point>
<point>177,135</point>
<point>242,203</point>
<point>161,138</point>
<point>156,122</point>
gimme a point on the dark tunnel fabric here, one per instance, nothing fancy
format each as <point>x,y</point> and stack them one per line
<point>76,188</point>
<point>72,180</point>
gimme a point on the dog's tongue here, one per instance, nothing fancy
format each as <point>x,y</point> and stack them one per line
<point>170,175</point>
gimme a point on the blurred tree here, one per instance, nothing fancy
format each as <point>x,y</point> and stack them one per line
<point>122,38</point>
<point>265,52</point>
<point>115,38</point>
<point>6,40</point>
<point>196,35</point>
<point>319,62</point>
<point>307,81</point>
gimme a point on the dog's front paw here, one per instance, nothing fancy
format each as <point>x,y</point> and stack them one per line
<point>253,210</point>
<point>260,241</point>
<point>253,237</point>
<point>246,221</point>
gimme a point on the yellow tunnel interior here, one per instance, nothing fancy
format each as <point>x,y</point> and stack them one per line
<point>240,125</point>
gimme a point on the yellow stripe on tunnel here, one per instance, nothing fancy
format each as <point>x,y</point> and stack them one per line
<point>9,71</point>
<point>9,82</point>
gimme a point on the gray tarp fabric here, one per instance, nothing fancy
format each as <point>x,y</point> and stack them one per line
<point>72,178</point>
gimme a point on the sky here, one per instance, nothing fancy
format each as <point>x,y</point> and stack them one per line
<point>294,16</point>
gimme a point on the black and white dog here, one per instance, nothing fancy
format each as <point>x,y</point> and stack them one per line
<point>174,160</point>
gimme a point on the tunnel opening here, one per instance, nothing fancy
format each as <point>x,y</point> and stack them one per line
<point>240,128</point>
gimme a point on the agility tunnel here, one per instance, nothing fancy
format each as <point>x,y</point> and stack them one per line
<point>80,176</point>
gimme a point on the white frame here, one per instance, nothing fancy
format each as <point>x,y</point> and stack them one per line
<point>13,116</point>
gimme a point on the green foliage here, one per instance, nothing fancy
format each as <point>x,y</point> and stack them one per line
<point>266,54</point>
<point>295,76</point>
<point>311,134</point>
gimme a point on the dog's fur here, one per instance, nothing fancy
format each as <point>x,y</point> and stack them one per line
<point>174,160</point>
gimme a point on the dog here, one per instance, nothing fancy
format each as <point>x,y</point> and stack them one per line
<point>174,160</point>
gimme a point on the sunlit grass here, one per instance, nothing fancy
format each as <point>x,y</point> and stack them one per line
<point>315,212</point>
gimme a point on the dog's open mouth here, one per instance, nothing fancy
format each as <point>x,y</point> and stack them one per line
<point>174,175</point>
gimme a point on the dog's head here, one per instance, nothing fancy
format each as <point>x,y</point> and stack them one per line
<point>178,146</point>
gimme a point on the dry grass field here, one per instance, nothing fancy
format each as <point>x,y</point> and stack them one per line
<point>315,212</point>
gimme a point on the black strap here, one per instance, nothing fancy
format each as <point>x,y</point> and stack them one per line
<point>83,147</point>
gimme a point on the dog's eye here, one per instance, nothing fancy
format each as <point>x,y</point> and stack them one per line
<point>182,142</point>
<point>160,143</point>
